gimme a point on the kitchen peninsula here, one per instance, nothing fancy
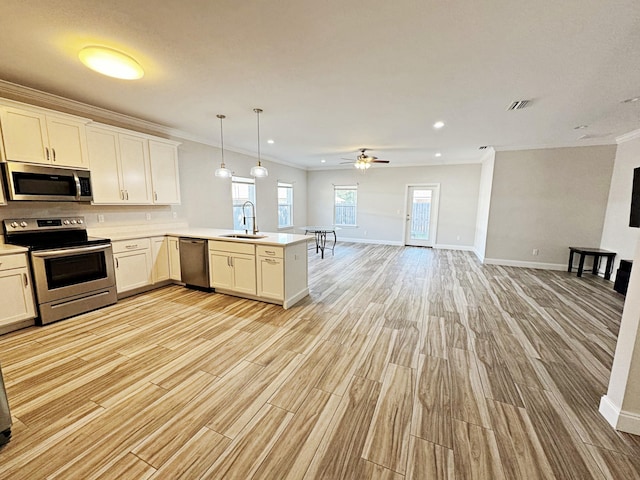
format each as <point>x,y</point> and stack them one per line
<point>269,267</point>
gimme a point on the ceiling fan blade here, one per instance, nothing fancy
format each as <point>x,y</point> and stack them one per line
<point>379,161</point>
<point>344,163</point>
<point>350,159</point>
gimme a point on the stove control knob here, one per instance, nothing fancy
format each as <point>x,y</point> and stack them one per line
<point>66,222</point>
<point>14,224</point>
<point>80,222</point>
<point>73,222</point>
<point>23,224</point>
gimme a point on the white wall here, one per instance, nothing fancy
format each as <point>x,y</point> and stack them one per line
<point>547,199</point>
<point>484,204</point>
<point>206,199</point>
<point>617,235</point>
<point>382,196</point>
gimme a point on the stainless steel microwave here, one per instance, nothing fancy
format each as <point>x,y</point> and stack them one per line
<point>25,181</point>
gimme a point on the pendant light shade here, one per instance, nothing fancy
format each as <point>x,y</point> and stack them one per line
<point>223,171</point>
<point>258,170</point>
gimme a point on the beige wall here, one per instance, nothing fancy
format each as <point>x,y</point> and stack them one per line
<point>547,199</point>
<point>382,197</point>
<point>617,235</point>
<point>206,200</point>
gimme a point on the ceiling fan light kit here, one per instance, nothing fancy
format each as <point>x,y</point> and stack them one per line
<point>223,171</point>
<point>364,161</point>
<point>258,170</point>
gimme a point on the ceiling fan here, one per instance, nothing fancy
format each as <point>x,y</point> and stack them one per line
<point>364,161</point>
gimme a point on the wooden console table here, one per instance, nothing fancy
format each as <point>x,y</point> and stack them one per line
<point>596,253</point>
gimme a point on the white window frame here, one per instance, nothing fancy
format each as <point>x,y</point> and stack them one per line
<point>238,203</point>
<point>338,217</point>
<point>289,187</point>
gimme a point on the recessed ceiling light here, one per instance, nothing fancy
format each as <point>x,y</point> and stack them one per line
<point>270,141</point>
<point>580,127</point>
<point>322,161</point>
<point>438,125</point>
<point>110,62</point>
<point>631,100</point>
<point>438,154</point>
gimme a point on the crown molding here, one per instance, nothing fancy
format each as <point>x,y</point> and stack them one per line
<point>594,142</point>
<point>628,136</point>
<point>20,93</point>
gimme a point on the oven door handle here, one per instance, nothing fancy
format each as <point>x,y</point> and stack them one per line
<point>73,251</point>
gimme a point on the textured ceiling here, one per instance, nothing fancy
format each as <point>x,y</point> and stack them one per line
<point>336,75</point>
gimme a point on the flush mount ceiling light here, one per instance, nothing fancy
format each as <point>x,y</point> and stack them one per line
<point>110,62</point>
<point>223,171</point>
<point>258,170</point>
<point>438,125</point>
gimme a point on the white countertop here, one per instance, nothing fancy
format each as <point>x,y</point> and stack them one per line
<point>11,249</point>
<point>274,239</point>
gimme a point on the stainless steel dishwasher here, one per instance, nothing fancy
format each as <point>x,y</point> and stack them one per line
<point>194,264</point>
<point>5,415</point>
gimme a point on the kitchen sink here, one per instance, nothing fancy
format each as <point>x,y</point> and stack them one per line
<point>243,235</point>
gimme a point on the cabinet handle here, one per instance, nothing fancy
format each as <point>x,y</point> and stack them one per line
<point>155,196</point>
<point>131,246</point>
<point>126,194</point>
<point>121,194</point>
<point>176,245</point>
<point>26,279</point>
<point>117,263</point>
<point>54,153</point>
<point>46,149</point>
<point>271,261</point>
<point>269,252</point>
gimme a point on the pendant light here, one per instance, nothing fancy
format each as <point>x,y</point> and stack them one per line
<point>258,170</point>
<point>223,171</point>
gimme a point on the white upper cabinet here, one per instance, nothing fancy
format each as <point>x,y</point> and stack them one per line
<point>164,172</point>
<point>127,168</point>
<point>41,136</point>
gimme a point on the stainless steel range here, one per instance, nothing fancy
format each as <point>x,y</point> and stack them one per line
<point>73,273</point>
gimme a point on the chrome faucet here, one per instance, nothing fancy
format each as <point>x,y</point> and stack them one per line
<point>244,217</point>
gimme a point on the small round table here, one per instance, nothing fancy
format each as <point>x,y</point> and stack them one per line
<point>320,232</point>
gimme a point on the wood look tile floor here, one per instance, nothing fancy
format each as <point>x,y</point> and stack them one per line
<point>403,363</point>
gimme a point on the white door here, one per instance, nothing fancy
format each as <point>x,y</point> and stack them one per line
<point>421,215</point>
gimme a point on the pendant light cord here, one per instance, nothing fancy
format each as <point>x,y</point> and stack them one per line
<point>258,110</point>
<point>221,139</point>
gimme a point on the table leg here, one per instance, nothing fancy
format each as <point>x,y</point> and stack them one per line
<point>581,264</point>
<point>596,264</point>
<point>570,260</point>
<point>323,242</point>
<point>607,272</point>
<point>335,240</point>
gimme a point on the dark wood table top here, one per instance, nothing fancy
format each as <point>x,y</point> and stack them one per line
<point>591,250</point>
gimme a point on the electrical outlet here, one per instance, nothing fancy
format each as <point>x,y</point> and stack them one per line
<point>364,233</point>
<point>100,218</point>
<point>458,237</point>
<point>147,216</point>
<point>535,251</point>
<point>175,214</point>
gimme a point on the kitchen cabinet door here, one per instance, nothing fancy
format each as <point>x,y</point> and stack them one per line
<point>160,252</point>
<point>16,301</point>
<point>220,270</point>
<point>104,153</point>
<point>174,258</point>
<point>271,278</point>
<point>134,168</point>
<point>244,273</point>
<point>133,269</point>
<point>67,142</point>
<point>164,172</point>
<point>24,135</point>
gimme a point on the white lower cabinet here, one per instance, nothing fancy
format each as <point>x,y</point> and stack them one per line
<point>133,264</point>
<point>174,258</point>
<point>160,252</point>
<point>232,266</point>
<point>16,301</point>
<point>270,266</point>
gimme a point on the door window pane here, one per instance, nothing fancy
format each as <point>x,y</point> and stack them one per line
<point>420,214</point>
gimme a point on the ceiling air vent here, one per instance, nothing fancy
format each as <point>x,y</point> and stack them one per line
<point>483,147</point>
<point>518,105</point>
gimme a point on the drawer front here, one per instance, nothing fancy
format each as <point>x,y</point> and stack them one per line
<point>131,245</point>
<point>7,262</point>
<point>267,251</point>
<point>232,247</point>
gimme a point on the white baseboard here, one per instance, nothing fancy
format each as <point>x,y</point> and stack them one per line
<point>464,248</point>
<point>480,257</point>
<point>367,240</point>
<point>519,263</point>
<point>619,419</point>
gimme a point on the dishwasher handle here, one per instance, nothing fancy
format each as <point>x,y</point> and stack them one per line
<point>192,240</point>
